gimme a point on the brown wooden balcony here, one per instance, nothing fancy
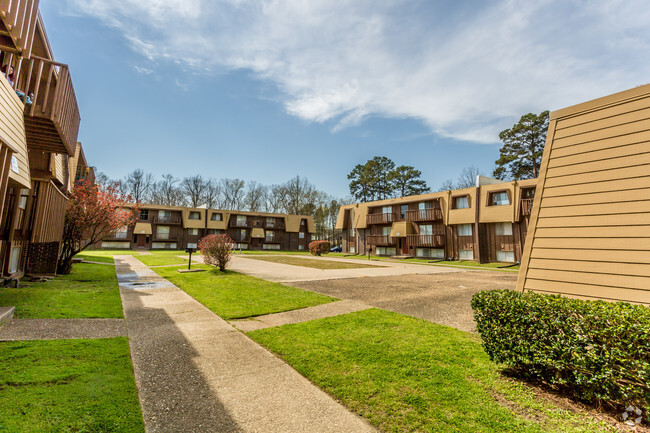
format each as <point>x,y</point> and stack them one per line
<point>18,22</point>
<point>163,238</point>
<point>241,239</point>
<point>429,214</point>
<point>277,225</point>
<point>167,220</point>
<point>431,241</point>
<point>52,119</point>
<point>381,218</point>
<point>381,240</point>
<point>527,206</point>
<point>235,223</point>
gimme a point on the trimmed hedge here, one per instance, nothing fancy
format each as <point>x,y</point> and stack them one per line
<point>595,351</point>
<point>317,248</point>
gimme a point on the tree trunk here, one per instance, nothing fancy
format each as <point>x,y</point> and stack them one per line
<point>65,266</point>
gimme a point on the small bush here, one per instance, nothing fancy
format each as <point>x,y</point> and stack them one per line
<point>595,351</point>
<point>317,248</point>
<point>216,250</point>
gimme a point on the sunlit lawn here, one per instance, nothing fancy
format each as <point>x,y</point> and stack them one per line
<point>312,262</point>
<point>232,295</point>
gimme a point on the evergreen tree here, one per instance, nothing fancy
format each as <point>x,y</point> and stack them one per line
<point>523,146</point>
<point>406,181</point>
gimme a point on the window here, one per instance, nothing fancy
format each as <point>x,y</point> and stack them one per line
<point>270,221</point>
<point>191,245</point>
<point>269,235</point>
<point>241,220</point>
<point>527,193</point>
<point>302,247</point>
<point>426,229</point>
<point>402,210</point>
<point>144,215</point>
<point>22,201</point>
<point>121,233</point>
<point>164,215</point>
<point>242,234</point>
<point>163,245</point>
<point>14,260</point>
<point>503,229</point>
<point>303,222</point>
<point>241,246</point>
<point>162,232</point>
<point>215,231</point>
<point>385,231</point>
<point>275,246</point>
<point>352,233</point>
<point>216,217</point>
<point>193,232</point>
<point>464,230</point>
<point>422,205</point>
<point>194,215</point>
<point>353,249</point>
<point>460,202</point>
<point>385,251</point>
<point>466,254</point>
<point>505,256</point>
<point>301,235</point>
<point>499,198</point>
<point>116,245</point>
<point>434,253</point>
<point>387,209</point>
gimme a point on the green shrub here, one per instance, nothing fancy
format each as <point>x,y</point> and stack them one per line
<point>595,351</point>
<point>316,248</point>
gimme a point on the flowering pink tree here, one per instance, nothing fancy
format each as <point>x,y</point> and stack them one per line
<point>93,214</point>
<point>216,250</point>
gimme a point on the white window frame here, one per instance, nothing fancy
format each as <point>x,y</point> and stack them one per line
<point>465,229</point>
<point>461,202</point>
<point>503,229</point>
<point>160,232</point>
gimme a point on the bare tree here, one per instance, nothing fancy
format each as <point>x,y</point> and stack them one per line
<point>275,199</point>
<point>213,195</point>
<point>256,196</point>
<point>467,179</point>
<point>233,193</point>
<point>138,184</point>
<point>103,180</point>
<point>300,196</point>
<point>194,189</point>
<point>166,193</point>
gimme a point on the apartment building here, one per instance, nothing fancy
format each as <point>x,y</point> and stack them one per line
<point>165,227</point>
<point>590,225</point>
<point>39,154</point>
<point>487,223</point>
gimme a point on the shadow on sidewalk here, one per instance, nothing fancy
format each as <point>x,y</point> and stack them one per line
<point>174,394</point>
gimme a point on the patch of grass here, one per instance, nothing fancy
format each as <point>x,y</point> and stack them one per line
<point>68,386</point>
<point>105,256</point>
<point>90,291</point>
<point>405,374</point>
<point>232,295</point>
<point>165,257</point>
<point>312,263</point>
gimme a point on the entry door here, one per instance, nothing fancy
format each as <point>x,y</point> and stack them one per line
<point>141,240</point>
<point>405,248</point>
<point>255,242</point>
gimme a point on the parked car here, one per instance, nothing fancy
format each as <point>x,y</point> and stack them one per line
<point>336,249</point>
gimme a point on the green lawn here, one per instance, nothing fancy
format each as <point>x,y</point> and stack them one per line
<point>156,258</point>
<point>234,296</point>
<point>90,291</point>
<point>68,386</point>
<point>312,263</point>
<point>406,375</point>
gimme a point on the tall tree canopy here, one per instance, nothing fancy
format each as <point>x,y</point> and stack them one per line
<point>378,179</point>
<point>406,181</point>
<point>523,146</point>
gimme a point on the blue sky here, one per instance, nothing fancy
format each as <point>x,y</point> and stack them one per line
<point>266,90</point>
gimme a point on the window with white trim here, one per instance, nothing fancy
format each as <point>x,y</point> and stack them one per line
<point>14,259</point>
<point>461,202</point>
<point>193,232</point>
<point>216,217</point>
<point>194,215</point>
<point>241,220</point>
<point>503,229</point>
<point>464,229</point>
<point>434,253</point>
<point>466,254</point>
<point>162,232</point>
<point>301,235</point>
<point>505,256</point>
<point>385,230</point>
<point>426,229</point>
<point>499,198</point>
<point>121,233</point>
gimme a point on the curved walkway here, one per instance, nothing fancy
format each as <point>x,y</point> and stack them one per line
<point>196,373</point>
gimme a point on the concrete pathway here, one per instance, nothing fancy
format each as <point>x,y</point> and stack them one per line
<point>55,329</point>
<point>298,316</point>
<point>196,373</point>
<point>290,273</point>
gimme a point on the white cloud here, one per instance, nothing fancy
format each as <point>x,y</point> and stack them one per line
<point>465,71</point>
<point>142,70</point>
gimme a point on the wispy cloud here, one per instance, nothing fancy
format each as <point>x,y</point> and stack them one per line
<point>142,70</point>
<point>465,71</point>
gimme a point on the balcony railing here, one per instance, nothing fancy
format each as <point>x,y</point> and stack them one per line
<point>434,241</point>
<point>52,119</point>
<point>527,206</point>
<point>235,223</point>
<point>429,214</point>
<point>167,220</point>
<point>241,239</point>
<point>381,240</point>
<point>380,218</point>
<point>277,225</point>
<point>165,238</point>
<point>19,18</point>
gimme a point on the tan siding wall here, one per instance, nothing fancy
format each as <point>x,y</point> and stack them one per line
<point>12,131</point>
<point>590,228</point>
<point>503,213</point>
<point>462,216</point>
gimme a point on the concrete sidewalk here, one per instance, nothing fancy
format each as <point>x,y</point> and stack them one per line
<point>56,329</point>
<point>290,273</point>
<point>196,373</point>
